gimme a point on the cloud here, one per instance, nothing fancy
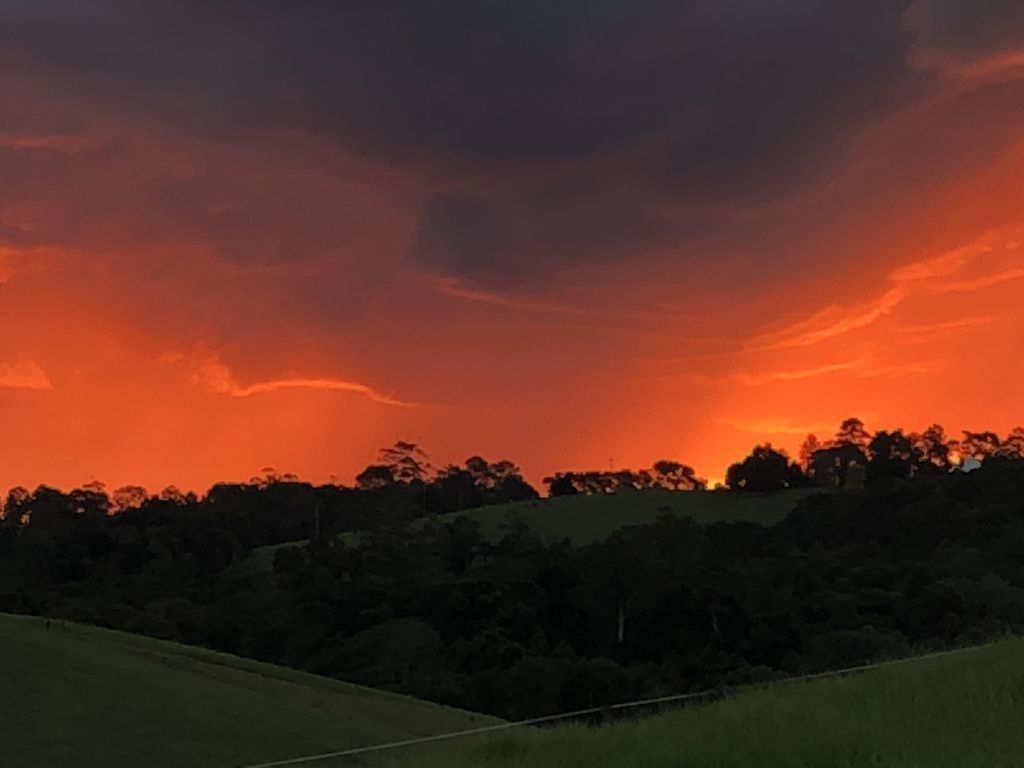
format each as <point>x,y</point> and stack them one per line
<point>456,290</point>
<point>837,320</point>
<point>325,385</point>
<point>24,374</point>
<point>799,374</point>
<point>516,141</point>
<point>520,236</point>
<point>70,144</point>
<point>778,426</point>
<point>930,329</point>
<point>979,283</point>
<point>862,366</point>
<point>541,135</point>
<point>946,264</point>
<point>967,38</point>
<point>833,321</point>
<point>20,260</point>
<point>213,374</point>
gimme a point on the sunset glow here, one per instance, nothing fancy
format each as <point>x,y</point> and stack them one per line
<point>216,265</point>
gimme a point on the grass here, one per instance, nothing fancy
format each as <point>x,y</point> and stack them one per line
<point>963,710</point>
<point>92,698</point>
<point>585,519</point>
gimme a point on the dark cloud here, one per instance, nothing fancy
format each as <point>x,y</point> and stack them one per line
<point>573,131</point>
<point>464,234</point>
<point>721,99</point>
<point>968,28</point>
<point>498,239</point>
<point>488,84</point>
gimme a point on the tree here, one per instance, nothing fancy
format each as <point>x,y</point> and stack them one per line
<point>831,464</point>
<point>478,484</point>
<point>375,477</point>
<point>127,497</point>
<point>175,495</point>
<point>894,456</point>
<point>499,482</point>
<point>763,471</point>
<point>460,542</point>
<point>1013,446</point>
<point>837,465</point>
<point>853,432</point>
<point>810,446</point>
<point>979,445</point>
<point>408,462</point>
<point>90,501</point>
<point>562,484</point>
<point>934,447</point>
<point>16,507</point>
<point>453,490</point>
<point>677,477</point>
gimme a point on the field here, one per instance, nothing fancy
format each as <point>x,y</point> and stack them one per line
<point>87,697</point>
<point>585,519</point>
<point>962,710</point>
<point>92,698</point>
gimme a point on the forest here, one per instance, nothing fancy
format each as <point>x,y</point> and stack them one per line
<point>899,550</point>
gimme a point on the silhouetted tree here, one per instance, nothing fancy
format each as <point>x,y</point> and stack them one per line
<point>810,446</point>
<point>128,497</point>
<point>934,447</point>
<point>408,462</point>
<point>177,496</point>
<point>16,507</point>
<point>893,457</point>
<point>499,482</point>
<point>676,476</point>
<point>763,471</point>
<point>478,484</point>
<point>375,477</point>
<point>1013,445</point>
<point>853,432</point>
<point>842,462</point>
<point>979,445</point>
<point>562,484</point>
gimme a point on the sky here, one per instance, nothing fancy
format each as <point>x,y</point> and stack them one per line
<point>580,234</point>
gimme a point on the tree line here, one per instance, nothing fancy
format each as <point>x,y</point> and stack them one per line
<point>403,482</point>
<point>908,559</point>
<point>854,457</point>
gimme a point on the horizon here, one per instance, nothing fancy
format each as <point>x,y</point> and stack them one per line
<point>1012,444</point>
<point>261,235</point>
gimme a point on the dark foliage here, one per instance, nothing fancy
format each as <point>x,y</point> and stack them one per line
<point>920,558</point>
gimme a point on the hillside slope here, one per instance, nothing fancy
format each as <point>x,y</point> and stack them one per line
<point>585,519</point>
<point>963,710</point>
<point>92,698</point>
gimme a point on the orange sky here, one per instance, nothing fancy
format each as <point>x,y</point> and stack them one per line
<point>180,306</point>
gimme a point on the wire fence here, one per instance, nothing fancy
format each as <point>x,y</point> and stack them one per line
<point>658,704</point>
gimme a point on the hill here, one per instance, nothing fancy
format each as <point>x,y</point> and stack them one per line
<point>86,697</point>
<point>962,709</point>
<point>585,519</point>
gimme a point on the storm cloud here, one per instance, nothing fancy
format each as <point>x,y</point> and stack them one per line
<point>968,29</point>
<point>531,135</point>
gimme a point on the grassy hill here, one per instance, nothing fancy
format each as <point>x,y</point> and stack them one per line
<point>585,519</point>
<point>962,710</point>
<point>87,697</point>
<point>91,698</point>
